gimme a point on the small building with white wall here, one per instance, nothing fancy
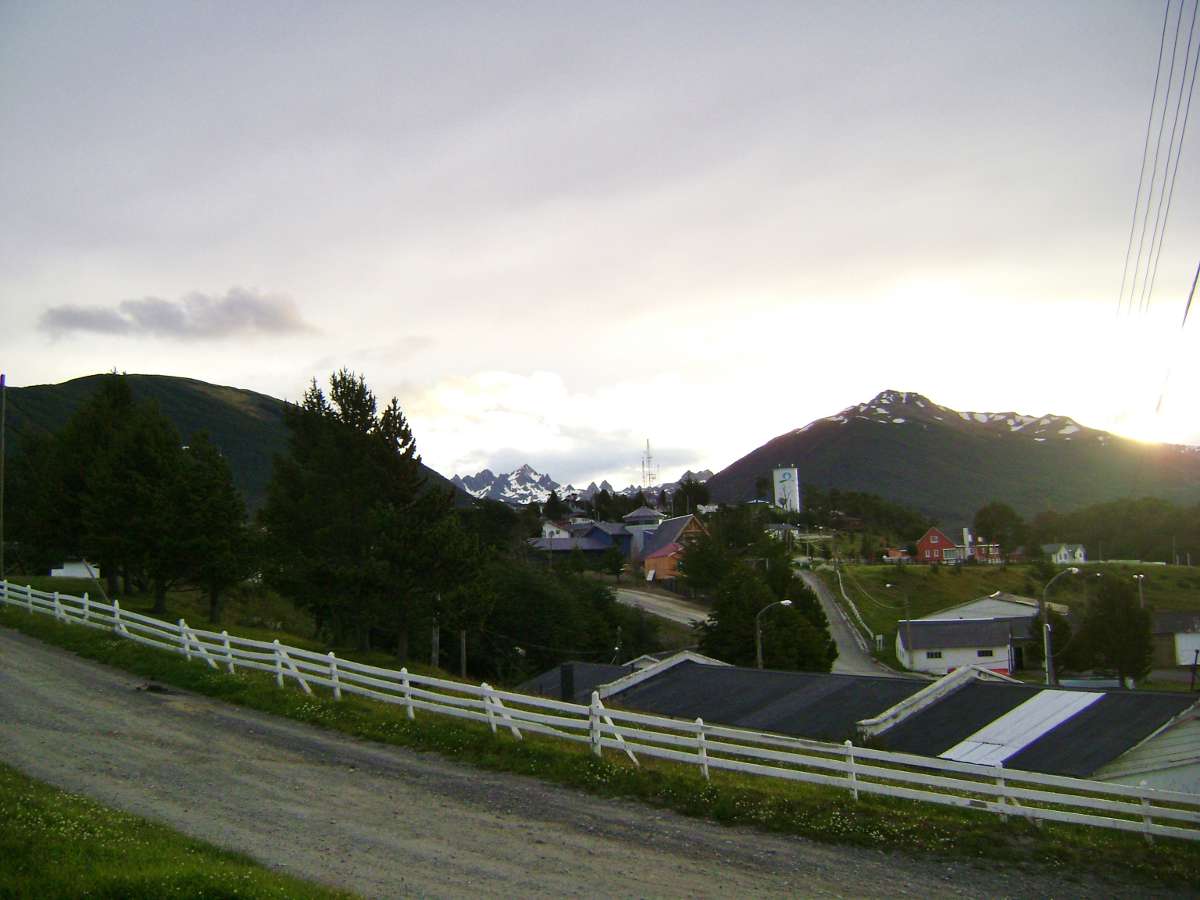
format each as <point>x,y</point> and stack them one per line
<point>943,646</point>
<point>1065,554</point>
<point>76,568</point>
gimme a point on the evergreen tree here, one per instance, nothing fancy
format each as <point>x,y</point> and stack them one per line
<point>999,523</point>
<point>1116,632</point>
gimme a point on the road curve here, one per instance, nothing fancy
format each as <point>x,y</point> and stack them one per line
<point>677,609</point>
<point>385,822</point>
<point>853,658</point>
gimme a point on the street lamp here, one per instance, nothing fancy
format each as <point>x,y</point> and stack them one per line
<point>907,622</point>
<point>758,629</point>
<point>1046,642</point>
<point>1139,578</point>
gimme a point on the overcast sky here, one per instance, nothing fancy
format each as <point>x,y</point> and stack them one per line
<point>558,231</point>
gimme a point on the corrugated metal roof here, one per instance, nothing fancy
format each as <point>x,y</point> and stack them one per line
<point>1177,622</point>
<point>957,633</point>
<point>1012,732</point>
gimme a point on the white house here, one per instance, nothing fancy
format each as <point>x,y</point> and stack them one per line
<point>76,568</point>
<point>551,529</point>
<point>1176,638</point>
<point>1065,554</point>
<point>942,646</point>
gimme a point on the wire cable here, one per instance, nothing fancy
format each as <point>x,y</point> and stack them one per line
<point>1156,254</point>
<point>1137,200</point>
<point>1157,150</point>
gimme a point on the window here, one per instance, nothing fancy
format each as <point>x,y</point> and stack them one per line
<point>933,654</point>
<point>933,539</point>
<point>983,652</point>
<point>927,554</point>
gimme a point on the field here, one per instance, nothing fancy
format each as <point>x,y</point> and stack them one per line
<point>55,844</point>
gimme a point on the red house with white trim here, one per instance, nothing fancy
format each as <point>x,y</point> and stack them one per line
<point>935,546</point>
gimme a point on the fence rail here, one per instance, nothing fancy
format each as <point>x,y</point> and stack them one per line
<point>859,770</point>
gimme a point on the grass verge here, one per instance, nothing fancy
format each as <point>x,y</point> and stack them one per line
<point>815,812</point>
<point>55,844</point>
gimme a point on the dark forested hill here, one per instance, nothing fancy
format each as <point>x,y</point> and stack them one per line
<point>947,463</point>
<point>247,427</point>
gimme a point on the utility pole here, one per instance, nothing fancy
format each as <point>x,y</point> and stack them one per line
<point>1139,578</point>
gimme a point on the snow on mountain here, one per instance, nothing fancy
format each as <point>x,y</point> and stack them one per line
<point>527,485</point>
<point>911,409</point>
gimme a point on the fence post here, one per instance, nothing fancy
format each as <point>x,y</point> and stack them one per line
<point>487,705</point>
<point>59,615</point>
<point>183,640</point>
<point>228,650</point>
<point>594,724</point>
<point>87,608</point>
<point>117,626</point>
<point>702,747</point>
<point>29,597</point>
<point>851,773</point>
<point>408,707</point>
<point>278,665</point>
<point>1147,821</point>
<point>333,676</point>
<point>1003,792</point>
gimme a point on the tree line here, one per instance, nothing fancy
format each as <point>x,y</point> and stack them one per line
<point>350,532</point>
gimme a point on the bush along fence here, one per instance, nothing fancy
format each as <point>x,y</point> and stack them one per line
<point>858,770</point>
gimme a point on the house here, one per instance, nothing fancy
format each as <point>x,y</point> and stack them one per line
<point>935,546</point>
<point>76,568</point>
<point>1128,737</point>
<point>589,546</point>
<point>663,564</point>
<point>896,555</point>
<point>997,605</point>
<point>942,646</point>
<point>1065,554</point>
<point>1176,639</point>
<point>643,517</point>
<point>680,530</point>
<point>551,529</point>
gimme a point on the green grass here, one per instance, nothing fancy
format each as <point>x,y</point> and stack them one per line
<point>932,588</point>
<point>819,813</point>
<point>54,844</point>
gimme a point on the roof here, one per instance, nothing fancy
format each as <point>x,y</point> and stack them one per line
<point>803,704</point>
<point>1177,622</point>
<point>955,633</point>
<point>998,605</point>
<point>642,514</point>
<point>567,544</point>
<point>936,530</point>
<point>585,675</point>
<point>1059,731</point>
<point>611,527</point>
<point>668,532</point>
<point>665,550</point>
<point>1051,548</point>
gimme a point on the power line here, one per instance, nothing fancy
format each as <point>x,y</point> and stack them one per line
<point>1156,254</point>
<point>1137,200</point>
<point>1157,150</point>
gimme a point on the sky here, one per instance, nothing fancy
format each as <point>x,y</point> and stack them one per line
<point>557,231</point>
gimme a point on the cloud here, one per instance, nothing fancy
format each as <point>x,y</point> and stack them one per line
<point>195,316</point>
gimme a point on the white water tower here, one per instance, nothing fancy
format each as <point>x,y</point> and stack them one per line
<point>787,488</point>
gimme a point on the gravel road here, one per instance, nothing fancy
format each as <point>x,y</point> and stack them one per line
<point>853,658</point>
<point>677,609</point>
<point>386,822</point>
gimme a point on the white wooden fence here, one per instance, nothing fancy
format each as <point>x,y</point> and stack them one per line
<point>859,770</point>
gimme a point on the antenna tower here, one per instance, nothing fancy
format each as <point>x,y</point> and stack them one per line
<point>649,468</point>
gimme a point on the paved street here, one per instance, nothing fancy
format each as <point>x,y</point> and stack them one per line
<point>677,609</point>
<point>853,657</point>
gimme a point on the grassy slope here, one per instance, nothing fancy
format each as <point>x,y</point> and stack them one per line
<point>819,813</point>
<point>55,844</point>
<point>932,588</point>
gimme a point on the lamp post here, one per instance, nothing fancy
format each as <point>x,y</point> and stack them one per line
<point>907,621</point>
<point>1139,578</point>
<point>758,629</point>
<point>1046,642</point>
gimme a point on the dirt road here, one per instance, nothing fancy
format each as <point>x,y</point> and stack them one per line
<point>853,657</point>
<point>386,822</point>
<point>677,609</point>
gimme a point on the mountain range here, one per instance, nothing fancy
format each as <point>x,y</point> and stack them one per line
<point>527,485</point>
<point>948,463</point>
<point>247,427</point>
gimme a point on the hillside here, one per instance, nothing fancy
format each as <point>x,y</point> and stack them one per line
<point>947,463</point>
<point>246,426</point>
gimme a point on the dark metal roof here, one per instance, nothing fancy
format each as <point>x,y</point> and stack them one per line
<point>803,704</point>
<point>668,532</point>
<point>1176,622</point>
<point>568,544</point>
<point>643,514</point>
<point>1116,723</point>
<point>611,527</point>
<point>933,634</point>
<point>586,677</point>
